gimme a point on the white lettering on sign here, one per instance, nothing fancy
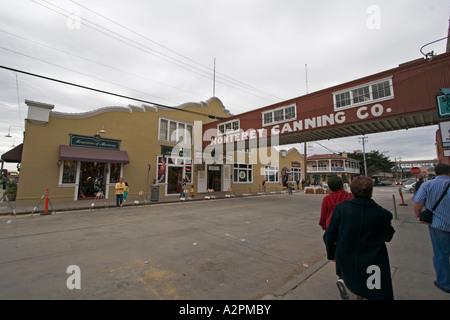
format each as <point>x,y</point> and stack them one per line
<point>215,148</point>
<point>321,121</point>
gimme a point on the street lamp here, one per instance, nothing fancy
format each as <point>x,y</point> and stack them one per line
<point>9,130</point>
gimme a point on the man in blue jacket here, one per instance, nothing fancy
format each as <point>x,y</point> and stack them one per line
<point>427,196</point>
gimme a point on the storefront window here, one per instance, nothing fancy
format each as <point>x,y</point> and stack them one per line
<point>188,174</point>
<point>114,172</point>
<point>242,173</point>
<point>69,171</point>
<point>161,169</point>
<point>271,173</point>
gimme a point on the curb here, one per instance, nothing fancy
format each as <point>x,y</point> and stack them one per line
<point>296,281</point>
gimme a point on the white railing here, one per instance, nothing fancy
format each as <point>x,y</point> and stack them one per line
<point>334,170</point>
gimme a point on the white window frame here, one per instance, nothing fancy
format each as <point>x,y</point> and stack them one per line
<point>229,127</point>
<point>371,99</point>
<point>188,127</point>
<point>240,168</point>
<point>281,115</point>
<point>272,170</point>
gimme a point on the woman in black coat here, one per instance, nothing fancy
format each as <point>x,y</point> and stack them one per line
<point>356,238</point>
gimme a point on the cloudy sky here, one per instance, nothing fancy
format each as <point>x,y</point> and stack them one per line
<point>164,52</point>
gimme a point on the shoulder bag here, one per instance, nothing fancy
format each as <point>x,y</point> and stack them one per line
<point>427,215</point>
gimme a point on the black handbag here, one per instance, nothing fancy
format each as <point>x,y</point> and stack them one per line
<point>427,215</point>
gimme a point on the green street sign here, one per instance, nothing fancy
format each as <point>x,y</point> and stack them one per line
<point>443,105</point>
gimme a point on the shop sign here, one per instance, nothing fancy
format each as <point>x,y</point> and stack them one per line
<point>443,103</point>
<point>94,142</point>
<point>444,128</point>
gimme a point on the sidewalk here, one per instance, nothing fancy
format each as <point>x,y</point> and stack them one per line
<point>38,206</point>
<point>410,255</point>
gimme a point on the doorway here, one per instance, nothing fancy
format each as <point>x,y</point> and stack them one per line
<point>92,179</point>
<point>215,178</point>
<point>174,179</point>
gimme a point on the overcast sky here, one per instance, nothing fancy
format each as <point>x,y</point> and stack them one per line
<point>164,52</point>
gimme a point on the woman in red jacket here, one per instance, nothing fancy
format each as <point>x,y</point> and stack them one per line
<point>330,201</point>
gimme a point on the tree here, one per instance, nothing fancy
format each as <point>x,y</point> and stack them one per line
<point>375,161</point>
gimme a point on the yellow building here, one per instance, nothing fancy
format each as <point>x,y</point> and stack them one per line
<point>80,156</point>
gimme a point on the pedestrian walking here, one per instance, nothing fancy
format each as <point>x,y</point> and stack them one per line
<point>434,195</point>
<point>290,186</point>
<point>183,183</point>
<point>125,192</point>
<point>418,184</point>
<point>120,187</point>
<point>329,202</point>
<point>356,237</point>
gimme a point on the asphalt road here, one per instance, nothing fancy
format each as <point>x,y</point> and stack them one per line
<point>238,248</point>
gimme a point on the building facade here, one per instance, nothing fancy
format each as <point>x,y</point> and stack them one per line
<point>78,156</point>
<point>322,166</point>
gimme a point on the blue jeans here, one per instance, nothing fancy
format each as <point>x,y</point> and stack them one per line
<point>441,247</point>
<point>119,199</point>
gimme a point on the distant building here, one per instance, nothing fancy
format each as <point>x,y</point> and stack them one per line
<point>322,166</point>
<point>403,168</point>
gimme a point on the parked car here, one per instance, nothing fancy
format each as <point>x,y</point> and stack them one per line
<point>411,187</point>
<point>382,183</point>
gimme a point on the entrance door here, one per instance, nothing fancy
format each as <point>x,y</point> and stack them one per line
<point>91,179</point>
<point>215,178</point>
<point>174,179</point>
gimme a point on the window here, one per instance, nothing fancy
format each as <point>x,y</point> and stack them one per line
<point>289,113</point>
<point>114,174</point>
<point>361,95</point>
<point>267,118</point>
<point>371,92</point>
<point>296,174</point>
<point>228,127</point>
<point>271,173</point>
<point>343,99</point>
<point>243,173</point>
<point>280,115</point>
<point>69,171</point>
<point>381,90</point>
<point>163,129</point>
<point>172,128</point>
<point>172,131</point>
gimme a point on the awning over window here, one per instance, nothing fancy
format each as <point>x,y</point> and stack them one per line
<point>92,154</point>
<point>13,155</point>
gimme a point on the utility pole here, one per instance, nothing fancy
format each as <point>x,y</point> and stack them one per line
<point>364,140</point>
<point>306,77</point>
<point>214,79</point>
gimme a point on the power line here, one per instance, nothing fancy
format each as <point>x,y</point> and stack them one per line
<point>170,50</point>
<point>107,92</point>
<point>95,62</point>
<point>160,55</point>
